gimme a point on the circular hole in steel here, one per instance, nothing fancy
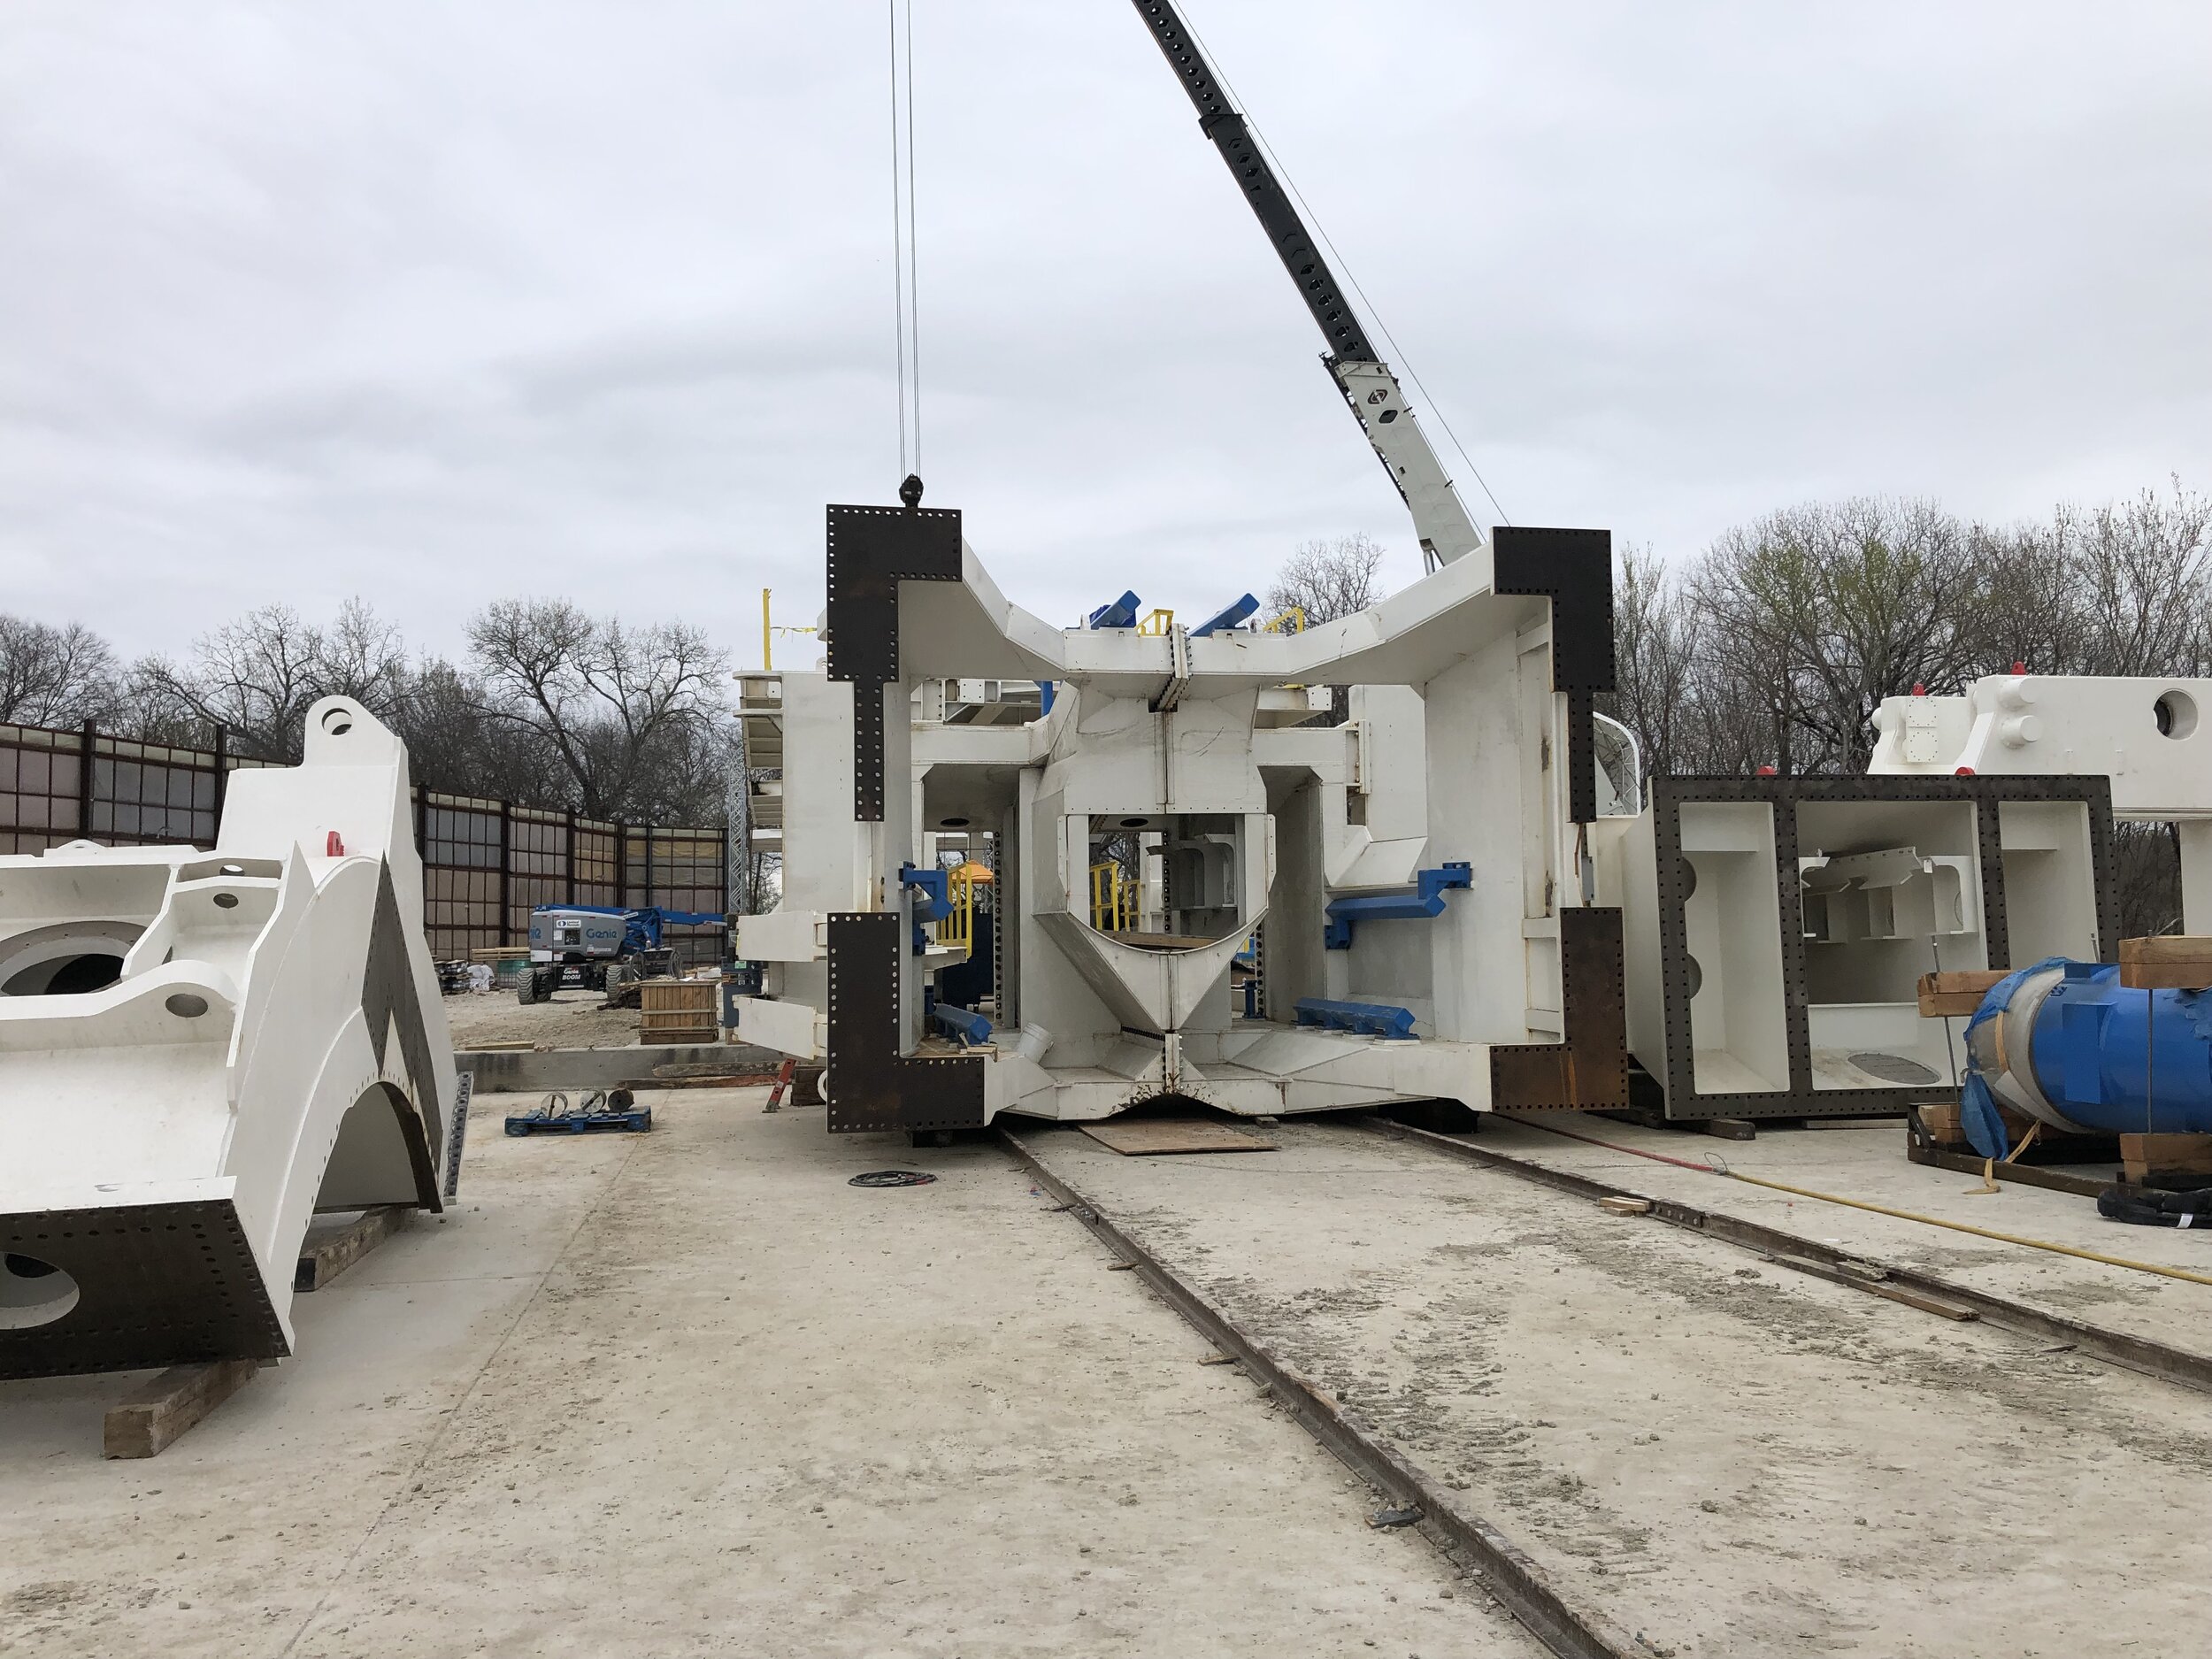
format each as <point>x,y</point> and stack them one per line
<point>1895,1068</point>
<point>1133,823</point>
<point>65,976</point>
<point>33,1292</point>
<point>234,869</point>
<point>225,901</point>
<point>2177,714</point>
<point>186,1005</point>
<point>952,823</point>
<point>1387,416</point>
<point>1689,880</point>
<point>338,722</point>
<point>1693,974</point>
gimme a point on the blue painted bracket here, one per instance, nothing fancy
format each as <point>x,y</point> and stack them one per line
<point>1426,900</point>
<point>1121,614</point>
<point>1370,1019</point>
<point>964,1027</point>
<point>1229,619</point>
<point>932,900</point>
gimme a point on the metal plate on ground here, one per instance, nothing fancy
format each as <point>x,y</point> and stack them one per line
<point>1148,1137</point>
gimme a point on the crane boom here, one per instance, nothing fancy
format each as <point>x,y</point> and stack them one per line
<point>1440,518</point>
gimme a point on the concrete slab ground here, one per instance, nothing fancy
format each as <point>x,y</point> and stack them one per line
<point>1730,1458</point>
<point>690,1392</point>
<point>1868,1162</point>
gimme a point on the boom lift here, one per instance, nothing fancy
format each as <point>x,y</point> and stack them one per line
<point>1440,518</point>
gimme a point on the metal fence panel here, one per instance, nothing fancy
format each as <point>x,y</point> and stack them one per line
<point>486,863</point>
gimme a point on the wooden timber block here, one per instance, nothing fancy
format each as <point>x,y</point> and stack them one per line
<point>1941,1121</point>
<point>1622,1204</point>
<point>152,1416</point>
<point>1949,996</point>
<point>325,1258</point>
<point>1728,1128</point>
<point>2180,1155</point>
<point>2167,962</point>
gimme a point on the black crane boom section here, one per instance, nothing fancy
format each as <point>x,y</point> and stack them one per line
<point>1294,244</point>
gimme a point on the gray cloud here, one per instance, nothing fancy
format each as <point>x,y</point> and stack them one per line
<point>440,303</point>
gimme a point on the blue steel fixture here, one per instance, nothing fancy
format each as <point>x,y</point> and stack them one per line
<point>2089,1054</point>
<point>1370,1019</point>
<point>932,900</point>
<point>967,1028</point>
<point>1227,618</point>
<point>1424,901</point>
<point>1121,614</point>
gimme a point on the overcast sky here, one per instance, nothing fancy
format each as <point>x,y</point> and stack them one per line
<point>437,303</point>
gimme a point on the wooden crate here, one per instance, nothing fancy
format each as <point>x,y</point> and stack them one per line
<point>680,1011</point>
<point>2167,962</point>
<point>2177,1155</point>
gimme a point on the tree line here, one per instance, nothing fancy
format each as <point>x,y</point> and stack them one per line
<point>549,705</point>
<point>1776,646</point>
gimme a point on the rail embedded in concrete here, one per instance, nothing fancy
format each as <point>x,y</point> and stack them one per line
<point>1505,1570</point>
<point>2117,1348</point>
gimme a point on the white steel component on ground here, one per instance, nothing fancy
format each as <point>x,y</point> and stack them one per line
<point>1454,751</point>
<point>198,1049</point>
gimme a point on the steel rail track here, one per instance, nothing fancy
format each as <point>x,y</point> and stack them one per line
<point>1504,1571</point>
<point>1825,1261</point>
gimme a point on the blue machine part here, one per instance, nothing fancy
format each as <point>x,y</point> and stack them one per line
<point>1044,696</point>
<point>1121,614</point>
<point>1228,618</point>
<point>933,899</point>
<point>2107,1058</point>
<point>963,1026</point>
<point>1427,899</point>
<point>1370,1019</point>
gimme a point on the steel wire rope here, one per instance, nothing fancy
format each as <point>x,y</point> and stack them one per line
<point>1397,353</point>
<point>905,269</point>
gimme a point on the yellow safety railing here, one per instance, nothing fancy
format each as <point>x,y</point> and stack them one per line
<point>1113,898</point>
<point>1292,621</point>
<point>1156,622</point>
<point>957,929</point>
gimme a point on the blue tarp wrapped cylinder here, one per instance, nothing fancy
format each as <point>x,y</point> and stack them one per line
<point>2066,1041</point>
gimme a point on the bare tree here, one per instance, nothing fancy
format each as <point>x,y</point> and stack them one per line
<point>627,712</point>
<point>1328,580</point>
<point>1656,644</point>
<point>56,676</point>
<point>257,677</point>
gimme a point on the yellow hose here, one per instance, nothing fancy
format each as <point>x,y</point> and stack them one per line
<point>1981,1233</point>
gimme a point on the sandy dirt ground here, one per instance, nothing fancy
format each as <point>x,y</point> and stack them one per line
<point>690,1392</point>
<point>572,1019</point>
<point>1730,1458</point>
<point>1868,1162</point>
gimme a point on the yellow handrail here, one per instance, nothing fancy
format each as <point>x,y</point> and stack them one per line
<point>1292,621</point>
<point>1156,622</point>
<point>957,928</point>
<point>1113,898</point>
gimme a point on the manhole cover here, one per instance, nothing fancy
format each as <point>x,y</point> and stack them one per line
<point>1894,1068</point>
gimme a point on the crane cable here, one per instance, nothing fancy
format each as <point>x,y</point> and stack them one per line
<point>1397,355</point>
<point>904,278</point>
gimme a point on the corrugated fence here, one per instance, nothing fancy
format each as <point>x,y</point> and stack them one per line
<point>486,863</point>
